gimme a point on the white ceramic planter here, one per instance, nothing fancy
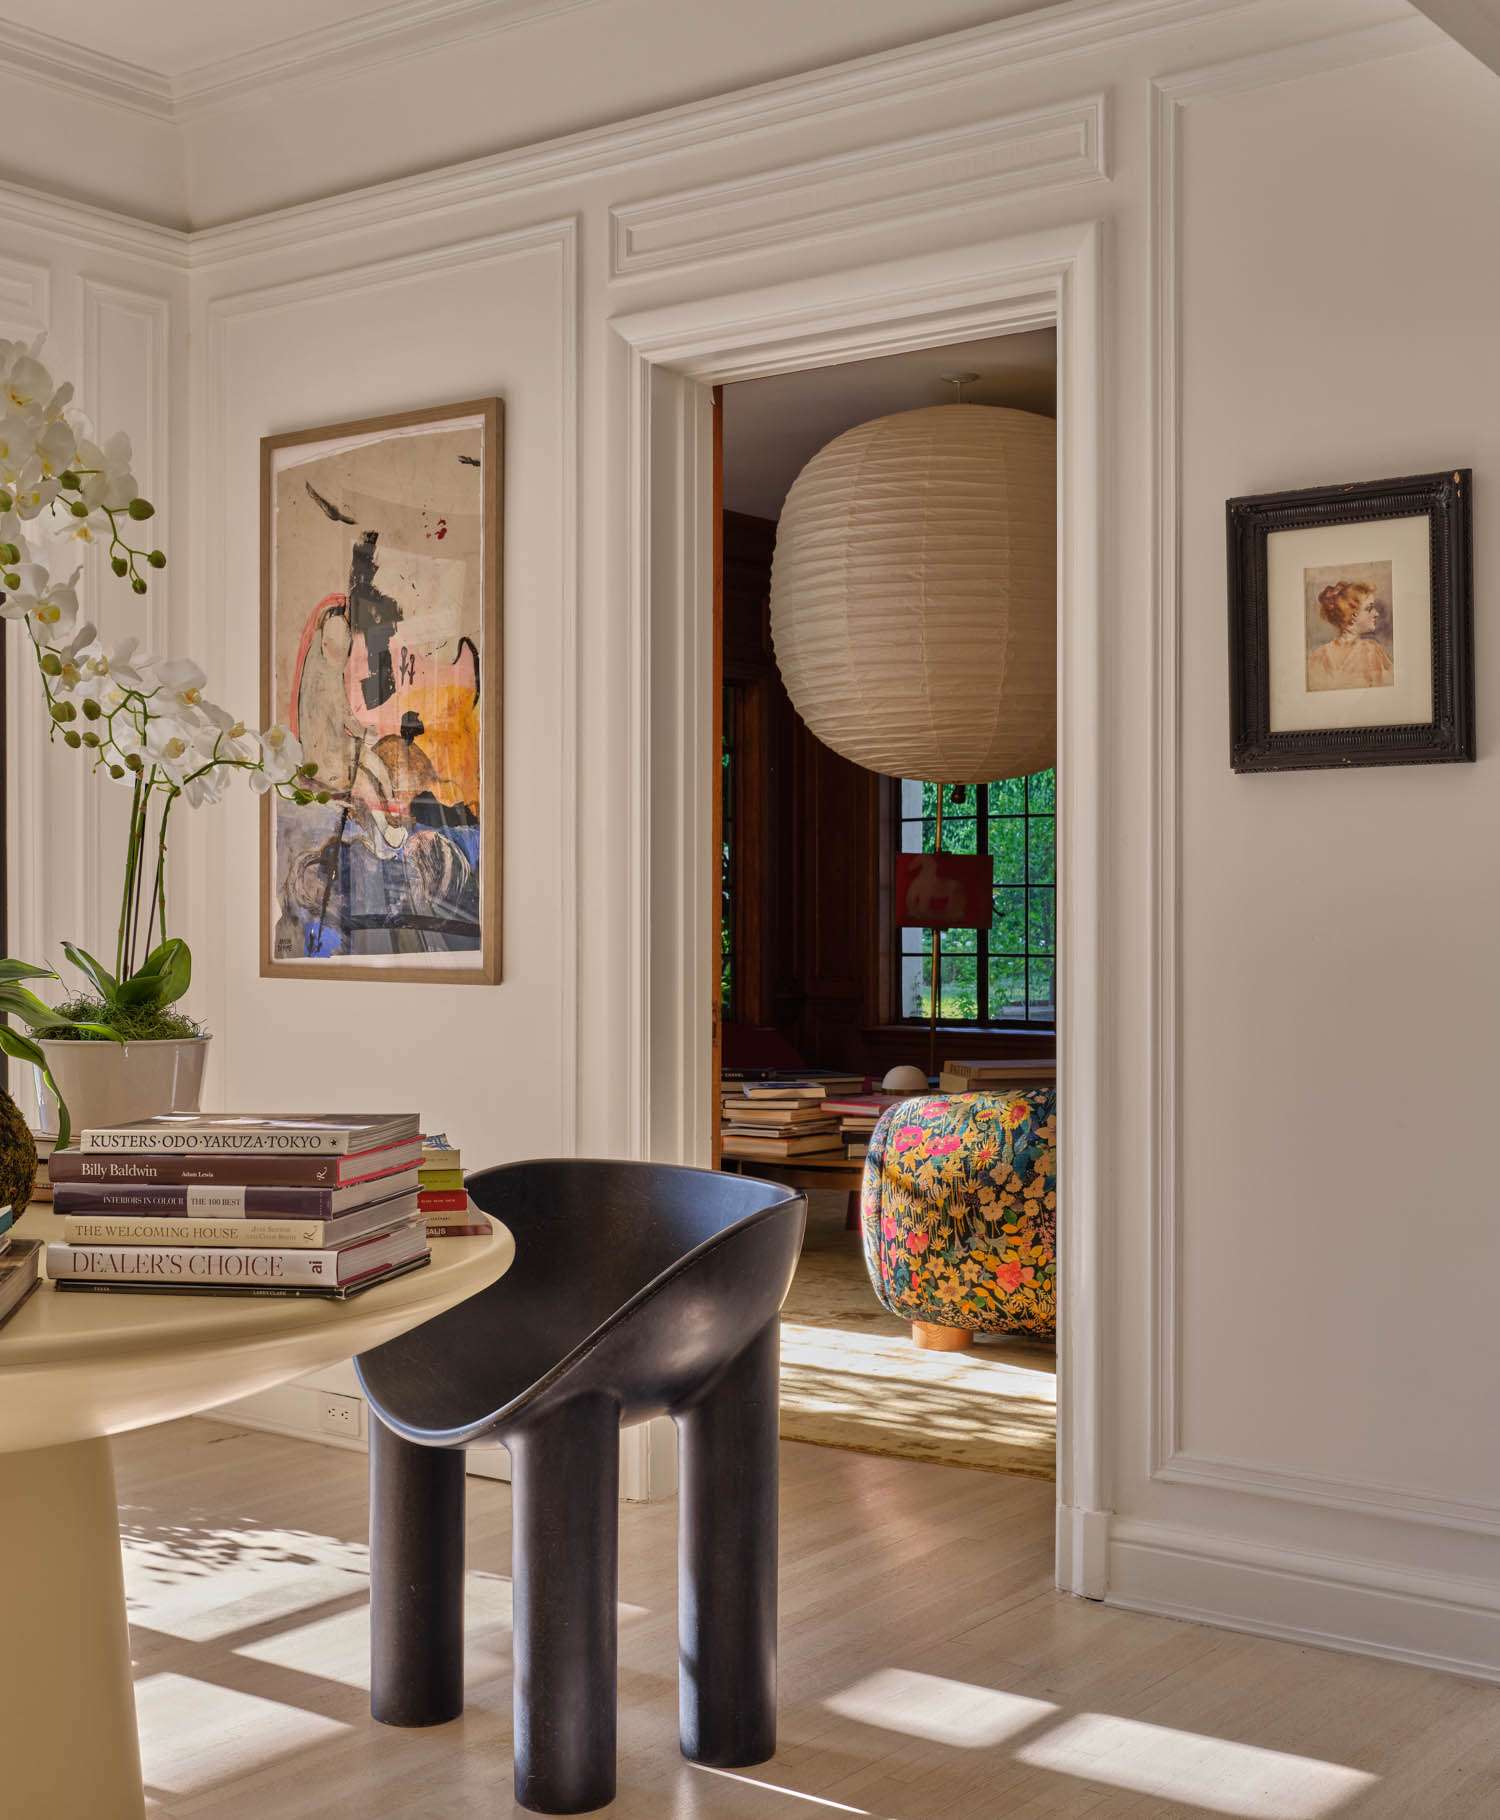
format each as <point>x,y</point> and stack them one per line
<point>113,1083</point>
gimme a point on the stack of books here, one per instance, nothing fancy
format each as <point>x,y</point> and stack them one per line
<point>776,1120</point>
<point>829,1079</point>
<point>240,1204</point>
<point>19,1259</point>
<point>441,1196</point>
<point>858,1116</point>
<point>44,1141</point>
<point>996,1077</point>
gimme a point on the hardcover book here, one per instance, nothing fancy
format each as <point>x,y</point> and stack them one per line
<point>117,1169</point>
<point>336,1292</point>
<point>256,1134</point>
<point>233,1266</point>
<point>229,1200</point>
<point>92,1229</point>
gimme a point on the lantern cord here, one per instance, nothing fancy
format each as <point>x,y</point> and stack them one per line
<point>937,955</point>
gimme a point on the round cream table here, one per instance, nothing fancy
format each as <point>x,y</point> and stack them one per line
<point>76,1368</point>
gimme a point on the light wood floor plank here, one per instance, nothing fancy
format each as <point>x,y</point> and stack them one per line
<point>928,1670</point>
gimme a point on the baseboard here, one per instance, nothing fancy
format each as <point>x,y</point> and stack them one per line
<point>1082,1551</point>
<point>1367,1607</point>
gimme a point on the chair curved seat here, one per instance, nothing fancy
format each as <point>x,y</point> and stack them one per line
<point>635,1279</point>
<point>638,1290</point>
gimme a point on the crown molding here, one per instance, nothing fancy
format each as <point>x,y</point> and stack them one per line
<point>926,68</point>
<point>82,71</point>
<point>398,31</point>
<point>403,29</point>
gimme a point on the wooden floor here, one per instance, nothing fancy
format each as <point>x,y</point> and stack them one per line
<point>928,1669</point>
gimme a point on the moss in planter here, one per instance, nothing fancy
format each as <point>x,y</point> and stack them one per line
<point>17,1157</point>
<point>137,1024</point>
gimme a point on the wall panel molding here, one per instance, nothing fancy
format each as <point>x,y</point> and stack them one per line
<point>889,182</point>
<point>124,383</point>
<point>1168,1460</point>
<point>25,312</point>
<point>559,236</point>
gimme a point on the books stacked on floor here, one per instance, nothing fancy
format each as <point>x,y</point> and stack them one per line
<point>44,1141</point>
<point>829,1079</point>
<point>441,1196</point>
<point>858,1114</point>
<point>19,1259</point>
<point>997,1077</point>
<point>240,1204</point>
<point>777,1120</point>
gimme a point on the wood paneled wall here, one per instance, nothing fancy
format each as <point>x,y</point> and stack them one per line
<point>812,862</point>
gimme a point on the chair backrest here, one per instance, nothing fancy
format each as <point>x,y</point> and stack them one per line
<point>639,1279</point>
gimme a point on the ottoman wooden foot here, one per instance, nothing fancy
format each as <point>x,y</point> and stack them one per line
<point>933,1338</point>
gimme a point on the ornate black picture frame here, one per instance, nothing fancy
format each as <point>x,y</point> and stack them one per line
<point>1351,638</point>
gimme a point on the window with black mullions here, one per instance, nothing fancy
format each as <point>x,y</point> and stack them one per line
<point>1005,974</point>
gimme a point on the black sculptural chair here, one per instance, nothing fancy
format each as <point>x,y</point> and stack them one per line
<point>638,1290</point>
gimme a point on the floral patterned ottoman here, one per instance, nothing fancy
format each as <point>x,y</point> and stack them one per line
<point>959,1214</point>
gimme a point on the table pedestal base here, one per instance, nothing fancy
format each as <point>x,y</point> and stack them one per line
<point>69,1708</point>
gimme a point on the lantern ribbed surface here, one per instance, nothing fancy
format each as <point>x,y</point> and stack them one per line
<point>914,590</point>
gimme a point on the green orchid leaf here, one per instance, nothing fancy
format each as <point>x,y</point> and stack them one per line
<point>21,1047</point>
<point>25,1005</point>
<point>23,970</point>
<point>171,965</point>
<point>97,974</point>
<point>140,989</point>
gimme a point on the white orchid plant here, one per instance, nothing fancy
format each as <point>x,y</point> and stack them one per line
<point>140,720</point>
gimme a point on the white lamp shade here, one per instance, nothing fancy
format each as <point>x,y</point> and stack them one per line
<point>914,594</point>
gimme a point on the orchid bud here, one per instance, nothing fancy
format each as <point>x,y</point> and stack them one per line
<point>70,738</point>
<point>89,739</point>
<point>134,762</point>
<point>69,481</point>
<point>50,663</point>
<point>157,558</point>
<point>139,584</point>
<point>307,771</point>
<point>63,711</point>
<point>141,508</point>
<point>118,564</point>
<point>91,708</point>
<point>6,502</point>
<point>117,770</point>
<point>79,509</point>
<point>321,797</point>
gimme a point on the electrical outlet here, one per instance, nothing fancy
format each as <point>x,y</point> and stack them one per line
<point>339,1415</point>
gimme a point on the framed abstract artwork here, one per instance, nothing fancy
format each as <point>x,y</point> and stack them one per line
<point>1351,638</point>
<point>380,650</point>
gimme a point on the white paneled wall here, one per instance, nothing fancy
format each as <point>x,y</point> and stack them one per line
<point>1276,1251</point>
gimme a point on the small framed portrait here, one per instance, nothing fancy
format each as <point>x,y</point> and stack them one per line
<point>1351,625</point>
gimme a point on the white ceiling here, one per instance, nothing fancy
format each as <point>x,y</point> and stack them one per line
<point>773,427</point>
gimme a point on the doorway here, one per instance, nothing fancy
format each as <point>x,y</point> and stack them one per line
<point>816,975</point>
<point>665,363</point>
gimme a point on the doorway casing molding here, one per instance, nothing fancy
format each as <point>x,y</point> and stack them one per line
<point>664,363</point>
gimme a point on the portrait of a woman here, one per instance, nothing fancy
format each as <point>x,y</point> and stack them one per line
<point>1355,657</point>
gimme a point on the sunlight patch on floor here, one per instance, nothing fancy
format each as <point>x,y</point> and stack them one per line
<point>933,1707</point>
<point>786,1794</point>
<point>1213,1773</point>
<point>194,1734</point>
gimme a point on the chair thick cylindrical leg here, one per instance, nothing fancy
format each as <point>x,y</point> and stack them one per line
<point>565,1486</point>
<point>416,1580</point>
<point>727,1557</point>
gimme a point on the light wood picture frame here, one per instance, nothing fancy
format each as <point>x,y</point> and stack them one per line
<point>381,548</point>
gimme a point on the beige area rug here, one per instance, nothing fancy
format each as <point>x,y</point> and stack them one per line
<point>850,1376</point>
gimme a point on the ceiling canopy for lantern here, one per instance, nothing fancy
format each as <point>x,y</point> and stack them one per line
<point>913,594</point>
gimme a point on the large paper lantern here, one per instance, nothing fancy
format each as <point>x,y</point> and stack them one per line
<point>914,589</point>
